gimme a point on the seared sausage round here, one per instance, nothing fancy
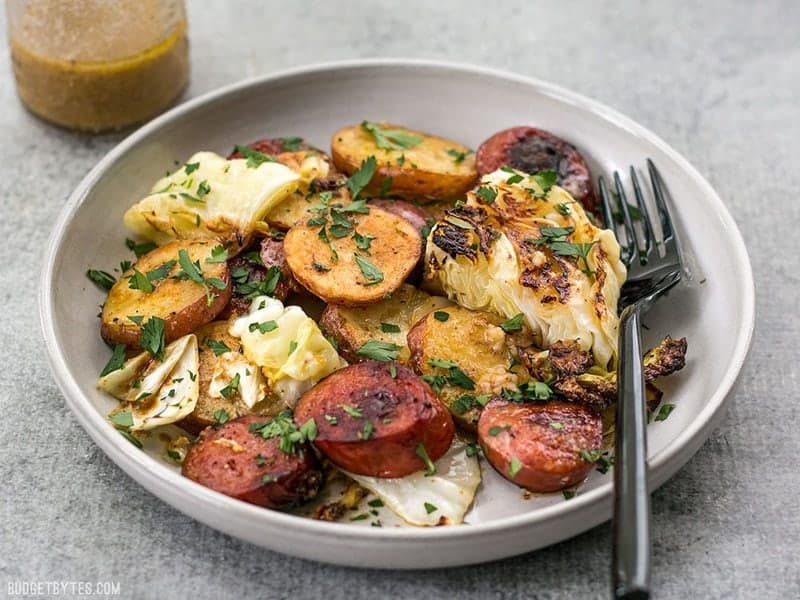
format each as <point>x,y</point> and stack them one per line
<point>377,419</point>
<point>239,462</point>
<point>531,150</point>
<point>538,445</point>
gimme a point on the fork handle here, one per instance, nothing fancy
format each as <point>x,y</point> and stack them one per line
<point>631,570</point>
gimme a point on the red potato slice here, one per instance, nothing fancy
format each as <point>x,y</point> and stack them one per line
<point>370,422</point>
<point>183,304</point>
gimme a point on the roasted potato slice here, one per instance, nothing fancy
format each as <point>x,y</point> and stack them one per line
<point>298,207</point>
<point>371,257</point>
<point>473,343</point>
<point>422,166</point>
<point>183,304</point>
<point>387,321</point>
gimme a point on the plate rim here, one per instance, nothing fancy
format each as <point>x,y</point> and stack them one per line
<point>153,475</point>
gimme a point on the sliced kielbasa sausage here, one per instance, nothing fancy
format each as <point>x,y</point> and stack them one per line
<point>531,150</point>
<point>273,146</point>
<point>237,460</point>
<point>377,419</point>
<point>538,445</point>
<point>410,212</point>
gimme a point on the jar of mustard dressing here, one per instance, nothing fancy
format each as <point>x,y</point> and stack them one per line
<point>97,65</point>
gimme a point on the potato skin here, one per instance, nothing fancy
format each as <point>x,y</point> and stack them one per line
<point>352,327</point>
<point>475,342</point>
<point>182,304</point>
<point>399,413</point>
<point>395,250</point>
<point>226,459</point>
<point>548,457</point>
<point>426,173</point>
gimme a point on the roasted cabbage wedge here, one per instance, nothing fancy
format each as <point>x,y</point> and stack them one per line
<point>520,246</point>
<point>212,198</point>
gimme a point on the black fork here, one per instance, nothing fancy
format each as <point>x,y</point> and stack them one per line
<point>654,266</point>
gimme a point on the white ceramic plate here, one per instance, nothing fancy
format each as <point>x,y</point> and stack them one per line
<point>466,104</point>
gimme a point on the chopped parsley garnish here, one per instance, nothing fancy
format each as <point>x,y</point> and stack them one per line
<point>160,272</point>
<point>232,387</point>
<point>486,193</point>
<point>265,287</point>
<point>515,178</point>
<point>191,270</point>
<point>139,281</point>
<point>254,158</point>
<point>320,267</point>
<point>376,503</point>
<point>430,468</point>
<point>361,517</point>
<point>363,242</point>
<point>264,327</point>
<point>601,459</point>
<point>455,376</point>
<point>331,419</point>
<point>458,156</point>
<point>458,223</point>
<point>664,412</point>
<point>529,390</point>
<point>292,347</point>
<point>219,254</point>
<point>392,139</point>
<point>291,144</point>
<point>371,273</point>
<point>203,189</point>
<point>221,416</point>
<point>390,328</point>
<point>359,180</point>
<point>440,315</point>
<point>472,449</point>
<point>514,467</point>
<point>152,338</point>
<point>497,430</point>
<point>190,198</point>
<point>191,168</point>
<point>557,425</point>
<point>545,180</point>
<point>429,508</point>
<point>568,494</point>
<point>379,350</point>
<point>283,426</point>
<point>217,347</point>
<point>467,402</point>
<point>563,208</point>
<point>556,239</point>
<point>386,185</point>
<point>514,324</point>
<point>140,249</point>
<point>393,371</point>
<point>122,419</point>
<point>116,361</point>
<point>102,279</point>
<point>366,431</point>
<point>352,411</point>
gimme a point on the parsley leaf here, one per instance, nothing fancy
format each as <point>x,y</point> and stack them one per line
<point>264,327</point>
<point>513,324</point>
<point>359,180</point>
<point>254,158</point>
<point>486,193</point>
<point>221,416</point>
<point>140,249</point>
<point>545,180</point>
<point>232,388</point>
<point>429,508</point>
<point>378,350</point>
<point>291,144</point>
<point>152,338</point>
<point>372,273</point>
<point>217,347</point>
<point>219,254</point>
<point>363,242</point>
<point>283,427</point>
<point>139,281</point>
<point>122,419</point>
<point>458,156</point>
<point>514,467</point>
<point>116,361</point>
<point>664,412</point>
<point>352,411</point>
<point>430,468</point>
<point>102,279</point>
<point>190,168</point>
<point>392,139</point>
<point>390,328</point>
<point>440,315</point>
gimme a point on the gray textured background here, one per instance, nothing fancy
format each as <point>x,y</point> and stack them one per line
<point>717,80</point>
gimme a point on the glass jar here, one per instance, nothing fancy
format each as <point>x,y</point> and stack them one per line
<point>97,65</point>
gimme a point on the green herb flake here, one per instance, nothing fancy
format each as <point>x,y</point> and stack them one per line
<point>371,273</point>
<point>458,156</point>
<point>363,242</point>
<point>563,208</point>
<point>366,431</point>
<point>379,350</point>
<point>545,180</point>
<point>292,347</point>
<point>359,180</point>
<point>190,168</point>
<point>664,412</point>
<point>203,189</point>
<point>392,139</point>
<point>514,467</point>
<point>514,324</point>
<point>472,449</point>
<point>219,254</point>
<point>116,362</point>
<point>291,144</point>
<point>486,193</point>
<point>264,327</point>
<point>139,281</point>
<point>390,328</point>
<point>217,347</point>
<point>497,430</point>
<point>309,430</point>
<point>440,315</point>
<point>361,517</point>
<point>430,508</point>
<point>152,337</point>
<point>140,249</point>
<point>122,419</point>
<point>232,388</point>
<point>102,279</point>
<point>221,416</point>
<point>557,426</point>
<point>430,468</point>
<point>376,503</point>
<point>386,186</point>
<point>569,494</point>
<point>393,371</point>
<point>352,411</point>
<point>254,158</point>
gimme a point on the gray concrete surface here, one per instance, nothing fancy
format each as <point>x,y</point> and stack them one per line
<point>717,80</point>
